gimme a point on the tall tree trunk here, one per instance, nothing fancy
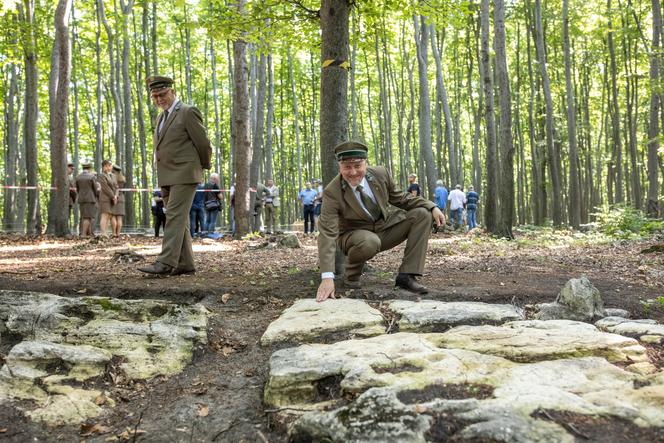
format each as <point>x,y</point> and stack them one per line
<point>258,134</point>
<point>296,119</point>
<point>11,134</point>
<point>655,104</point>
<point>333,82</point>
<point>424,112</point>
<point>270,118</point>
<point>506,142</point>
<point>553,154</point>
<point>615,113</point>
<point>574,185</point>
<point>442,101</point>
<point>241,123</point>
<point>33,218</point>
<point>58,216</point>
<point>128,115</point>
<point>491,214</point>
<point>215,100</point>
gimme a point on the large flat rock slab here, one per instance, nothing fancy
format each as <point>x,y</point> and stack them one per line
<point>437,316</point>
<point>505,375</point>
<point>309,321</point>
<point>59,342</point>
<point>527,341</point>
<point>645,329</point>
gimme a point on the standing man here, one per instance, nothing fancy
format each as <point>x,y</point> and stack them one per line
<point>359,218</point>
<point>88,194</point>
<point>158,212</point>
<point>197,211</point>
<point>271,205</point>
<point>108,195</point>
<point>440,195</point>
<point>261,192</point>
<point>118,209</point>
<point>413,186</point>
<point>457,199</point>
<point>182,150</point>
<point>307,197</point>
<point>472,198</point>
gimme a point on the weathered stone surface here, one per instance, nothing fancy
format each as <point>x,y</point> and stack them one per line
<point>577,300</point>
<point>310,321</point>
<point>403,360</point>
<point>527,341</point>
<point>554,365</point>
<point>290,241</point>
<point>67,340</point>
<point>376,416</point>
<point>615,312</point>
<point>435,316</point>
<point>633,328</point>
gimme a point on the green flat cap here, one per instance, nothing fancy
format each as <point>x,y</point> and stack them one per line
<point>350,150</point>
<point>86,165</point>
<point>117,168</point>
<point>157,82</point>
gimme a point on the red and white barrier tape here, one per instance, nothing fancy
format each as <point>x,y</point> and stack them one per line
<point>51,188</point>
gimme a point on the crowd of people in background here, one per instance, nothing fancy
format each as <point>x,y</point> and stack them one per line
<point>100,196</point>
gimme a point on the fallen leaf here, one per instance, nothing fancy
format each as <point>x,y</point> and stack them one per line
<point>100,400</point>
<point>3,430</point>
<point>87,430</point>
<point>227,350</point>
<point>225,298</point>
<point>82,291</point>
<point>420,409</point>
<point>203,410</point>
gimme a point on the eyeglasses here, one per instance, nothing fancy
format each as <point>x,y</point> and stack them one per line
<point>157,95</point>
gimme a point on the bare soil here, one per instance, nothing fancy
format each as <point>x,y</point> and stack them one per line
<point>247,284</point>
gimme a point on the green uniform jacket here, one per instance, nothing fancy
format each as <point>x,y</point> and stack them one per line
<point>341,211</point>
<point>182,149</point>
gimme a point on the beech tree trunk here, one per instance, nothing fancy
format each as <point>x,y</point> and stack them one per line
<point>241,125</point>
<point>574,183</point>
<point>506,142</point>
<point>491,194</point>
<point>655,105</point>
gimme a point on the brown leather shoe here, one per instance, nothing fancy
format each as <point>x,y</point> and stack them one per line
<point>408,282</point>
<point>157,268</point>
<point>182,271</point>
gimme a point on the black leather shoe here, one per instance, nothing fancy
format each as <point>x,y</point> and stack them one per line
<point>352,284</point>
<point>408,282</point>
<point>157,268</point>
<point>182,271</point>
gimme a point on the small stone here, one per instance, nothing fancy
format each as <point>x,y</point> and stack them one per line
<point>290,241</point>
<point>577,300</point>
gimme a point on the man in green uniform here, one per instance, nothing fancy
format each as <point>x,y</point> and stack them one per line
<point>358,215</point>
<point>181,150</point>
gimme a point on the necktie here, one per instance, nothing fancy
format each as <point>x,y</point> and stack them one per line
<point>163,121</point>
<point>373,208</point>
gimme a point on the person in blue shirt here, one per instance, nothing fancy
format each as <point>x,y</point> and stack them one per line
<point>472,198</point>
<point>307,197</point>
<point>440,195</point>
<point>197,211</point>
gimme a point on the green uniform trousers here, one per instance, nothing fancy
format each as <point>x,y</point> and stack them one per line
<point>176,248</point>
<point>270,216</point>
<point>361,245</point>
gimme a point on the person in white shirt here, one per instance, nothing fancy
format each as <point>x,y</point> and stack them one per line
<point>457,200</point>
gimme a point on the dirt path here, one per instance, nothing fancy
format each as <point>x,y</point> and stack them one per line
<point>245,286</point>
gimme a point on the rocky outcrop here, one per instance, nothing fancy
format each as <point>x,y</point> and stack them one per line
<point>61,342</point>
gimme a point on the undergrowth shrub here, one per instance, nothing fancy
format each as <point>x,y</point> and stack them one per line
<point>622,221</point>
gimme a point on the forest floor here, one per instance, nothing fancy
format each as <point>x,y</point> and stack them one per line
<point>246,285</point>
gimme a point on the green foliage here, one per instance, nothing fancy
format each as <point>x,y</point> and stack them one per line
<point>625,222</point>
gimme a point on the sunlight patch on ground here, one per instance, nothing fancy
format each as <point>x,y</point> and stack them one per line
<point>40,246</point>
